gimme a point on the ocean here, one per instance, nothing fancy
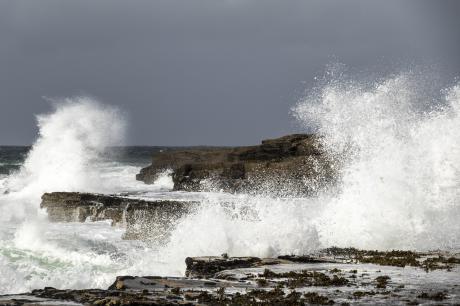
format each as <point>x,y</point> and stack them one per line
<point>398,188</point>
<point>34,253</point>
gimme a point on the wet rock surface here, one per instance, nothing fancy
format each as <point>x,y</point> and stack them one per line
<point>209,266</point>
<point>327,278</point>
<point>293,163</point>
<point>142,219</point>
<point>429,261</point>
<point>204,267</point>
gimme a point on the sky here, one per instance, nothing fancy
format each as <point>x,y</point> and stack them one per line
<point>205,72</point>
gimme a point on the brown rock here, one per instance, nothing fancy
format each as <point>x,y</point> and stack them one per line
<point>293,164</point>
<point>152,220</point>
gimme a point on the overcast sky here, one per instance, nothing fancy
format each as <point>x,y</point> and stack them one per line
<point>190,72</point>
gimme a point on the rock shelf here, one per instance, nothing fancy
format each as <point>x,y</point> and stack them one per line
<point>142,219</point>
<point>323,279</point>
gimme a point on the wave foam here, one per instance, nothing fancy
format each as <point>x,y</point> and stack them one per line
<point>400,163</point>
<point>64,157</point>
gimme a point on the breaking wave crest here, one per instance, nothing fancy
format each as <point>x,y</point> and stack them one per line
<point>63,158</point>
<point>398,155</point>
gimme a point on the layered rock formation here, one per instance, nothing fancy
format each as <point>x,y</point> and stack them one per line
<point>143,219</point>
<point>293,164</point>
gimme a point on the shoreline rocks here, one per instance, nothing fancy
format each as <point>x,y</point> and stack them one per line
<point>325,278</point>
<point>151,220</point>
<point>293,165</point>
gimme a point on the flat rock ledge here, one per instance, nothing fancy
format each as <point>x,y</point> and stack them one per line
<point>208,266</point>
<point>142,219</point>
<point>333,276</point>
<point>289,165</point>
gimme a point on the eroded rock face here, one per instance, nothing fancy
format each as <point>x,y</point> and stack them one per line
<point>77,207</point>
<point>292,164</point>
<point>142,219</point>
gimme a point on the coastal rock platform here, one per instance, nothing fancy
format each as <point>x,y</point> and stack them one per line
<point>332,276</point>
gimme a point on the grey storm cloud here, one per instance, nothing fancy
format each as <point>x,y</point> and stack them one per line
<point>205,71</point>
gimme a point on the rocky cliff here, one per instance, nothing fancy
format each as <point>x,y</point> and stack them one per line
<point>293,164</point>
<point>151,220</point>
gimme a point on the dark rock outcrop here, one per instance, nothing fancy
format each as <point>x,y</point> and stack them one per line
<point>143,219</point>
<point>205,267</point>
<point>293,164</point>
<point>210,266</point>
<point>175,159</point>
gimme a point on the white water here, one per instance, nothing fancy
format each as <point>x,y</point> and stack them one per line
<point>66,157</point>
<point>399,188</point>
<point>70,140</point>
<point>400,157</point>
<point>399,167</point>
